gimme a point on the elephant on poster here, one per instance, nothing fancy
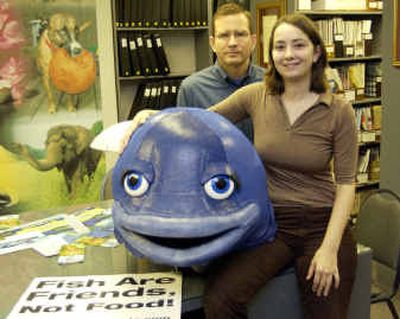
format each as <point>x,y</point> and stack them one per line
<point>67,149</point>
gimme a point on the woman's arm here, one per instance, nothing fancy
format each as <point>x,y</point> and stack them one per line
<point>239,104</point>
<point>323,267</point>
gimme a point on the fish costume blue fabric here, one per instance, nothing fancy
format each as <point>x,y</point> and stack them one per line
<point>188,188</point>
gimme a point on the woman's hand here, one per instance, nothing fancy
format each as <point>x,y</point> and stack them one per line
<point>138,120</point>
<point>324,271</point>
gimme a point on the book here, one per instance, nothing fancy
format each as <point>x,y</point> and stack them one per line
<point>334,80</point>
<point>376,111</point>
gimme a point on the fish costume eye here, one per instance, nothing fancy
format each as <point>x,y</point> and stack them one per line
<point>220,187</point>
<point>135,184</point>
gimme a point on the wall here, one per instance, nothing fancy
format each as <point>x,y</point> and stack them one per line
<point>107,70</point>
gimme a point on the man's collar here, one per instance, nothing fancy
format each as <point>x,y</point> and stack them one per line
<point>226,77</point>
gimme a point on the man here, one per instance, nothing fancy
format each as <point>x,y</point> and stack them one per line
<point>233,41</point>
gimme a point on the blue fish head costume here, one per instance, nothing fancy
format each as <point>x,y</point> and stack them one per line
<point>190,187</point>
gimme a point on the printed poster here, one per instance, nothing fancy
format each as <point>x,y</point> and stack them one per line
<point>49,104</point>
<point>124,296</point>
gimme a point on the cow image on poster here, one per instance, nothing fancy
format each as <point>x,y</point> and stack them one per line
<point>62,60</point>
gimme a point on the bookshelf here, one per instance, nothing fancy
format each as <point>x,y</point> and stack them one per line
<point>186,46</point>
<point>356,61</point>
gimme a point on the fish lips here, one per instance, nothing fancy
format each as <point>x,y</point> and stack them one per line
<point>155,237</point>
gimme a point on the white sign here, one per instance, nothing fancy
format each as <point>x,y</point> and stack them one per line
<point>124,296</point>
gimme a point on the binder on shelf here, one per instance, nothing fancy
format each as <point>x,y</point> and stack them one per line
<point>187,13</point>
<point>181,13</point>
<point>141,10</point>
<point>175,13</point>
<point>169,93</point>
<point>141,100</point>
<point>138,101</point>
<point>156,13</point>
<point>204,12</point>
<point>119,13</point>
<point>174,87</point>
<point>165,14</point>
<point>134,57</point>
<point>367,36</point>
<point>127,13</point>
<point>153,100</point>
<point>123,48</point>
<point>151,54</point>
<point>161,57</point>
<point>159,87</point>
<point>147,12</point>
<point>338,38</point>
<point>143,57</point>
<point>165,92</point>
<point>196,10</point>
<point>134,13</point>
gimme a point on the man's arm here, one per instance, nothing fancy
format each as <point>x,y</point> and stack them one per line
<point>182,99</point>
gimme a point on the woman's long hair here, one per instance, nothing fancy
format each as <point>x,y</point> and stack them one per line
<point>318,83</point>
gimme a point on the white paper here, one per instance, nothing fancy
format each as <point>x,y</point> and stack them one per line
<point>49,245</point>
<point>109,139</point>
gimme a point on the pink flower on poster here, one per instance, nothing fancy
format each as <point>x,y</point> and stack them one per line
<point>14,72</point>
<point>11,36</point>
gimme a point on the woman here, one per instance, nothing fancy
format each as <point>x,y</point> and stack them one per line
<point>299,128</point>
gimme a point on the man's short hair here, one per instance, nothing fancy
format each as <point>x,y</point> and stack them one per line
<point>229,9</point>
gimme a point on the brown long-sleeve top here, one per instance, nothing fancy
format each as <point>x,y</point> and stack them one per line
<point>297,157</point>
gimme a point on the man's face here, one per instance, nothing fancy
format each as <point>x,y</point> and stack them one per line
<point>232,41</point>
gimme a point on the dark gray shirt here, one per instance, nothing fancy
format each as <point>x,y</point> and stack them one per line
<point>212,85</point>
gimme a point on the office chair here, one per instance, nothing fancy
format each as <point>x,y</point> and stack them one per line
<point>106,186</point>
<point>378,227</point>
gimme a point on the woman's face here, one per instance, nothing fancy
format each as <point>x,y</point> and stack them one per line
<point>293,53</point>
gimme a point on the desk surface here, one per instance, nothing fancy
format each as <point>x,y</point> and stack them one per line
<point>19,268</point>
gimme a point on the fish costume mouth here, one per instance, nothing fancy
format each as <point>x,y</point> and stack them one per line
<point>198,237</point>
<point>189,188</point>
